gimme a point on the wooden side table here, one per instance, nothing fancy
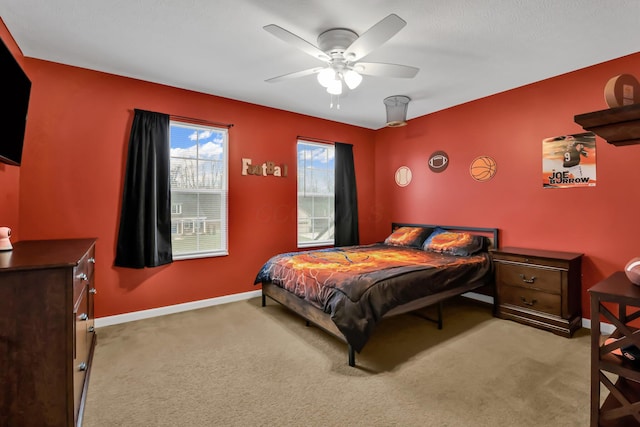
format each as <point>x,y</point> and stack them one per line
<point>622,405</point>
<point>539,288</point>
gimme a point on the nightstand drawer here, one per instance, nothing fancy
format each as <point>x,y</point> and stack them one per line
<point>531,299</point>
<point>530,277</point>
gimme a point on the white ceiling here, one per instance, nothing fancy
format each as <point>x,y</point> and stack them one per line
<point>465,49</point>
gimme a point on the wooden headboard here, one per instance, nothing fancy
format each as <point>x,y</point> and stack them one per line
<point>491,233</point>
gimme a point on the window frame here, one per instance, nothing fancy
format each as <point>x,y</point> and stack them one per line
<point>223,191</point>
<point>331,216</point>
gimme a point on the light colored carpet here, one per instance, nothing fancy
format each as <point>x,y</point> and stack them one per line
<point>241,364</point>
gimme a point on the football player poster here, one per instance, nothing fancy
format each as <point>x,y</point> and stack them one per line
<point>569,161</point>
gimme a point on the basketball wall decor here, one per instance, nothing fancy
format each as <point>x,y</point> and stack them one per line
<point>403,176</point>
<point>438,161</point>
<point>483,168</point>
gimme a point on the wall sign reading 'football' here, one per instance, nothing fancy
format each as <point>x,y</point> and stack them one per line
<point>438,161</point>
<point>403,176</point>
<point>483,168</point>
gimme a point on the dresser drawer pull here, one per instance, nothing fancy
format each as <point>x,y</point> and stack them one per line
<point>91,329</point>
<point>83,276</point>
<point>525,302</point>
<point>83,316</point>
<point>525,280</point>
<point>92,260</point>
<point>93,291</point>
<point>82,366</point>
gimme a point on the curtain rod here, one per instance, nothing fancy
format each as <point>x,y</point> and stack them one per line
<point>310,139</point>
<point>191,119</point>
<point>200,121</point>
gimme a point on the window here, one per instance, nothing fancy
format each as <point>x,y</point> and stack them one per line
<point>198,175</point>
<point>316,164</point>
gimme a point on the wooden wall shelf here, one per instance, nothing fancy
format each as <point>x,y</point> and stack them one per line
<point>618,126</point>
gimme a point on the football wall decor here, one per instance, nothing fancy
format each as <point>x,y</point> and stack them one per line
<point>438,161</point>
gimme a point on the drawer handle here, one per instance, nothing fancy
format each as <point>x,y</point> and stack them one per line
<point>525,302</point>
<point>83,276</point>
<point>83,316</point>
<point>91,329</point>
<point>525,280</point>
<point>93,291</point>
<point>92,260</point>
<point>82,366</point>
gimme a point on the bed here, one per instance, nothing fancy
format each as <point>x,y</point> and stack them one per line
<point>347,291</point>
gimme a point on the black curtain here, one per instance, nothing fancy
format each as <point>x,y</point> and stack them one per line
<point>144,238</point>
<point>346,200</point>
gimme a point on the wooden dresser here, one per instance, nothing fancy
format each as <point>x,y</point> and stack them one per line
<point>46,331</point>
<point>539,288</point>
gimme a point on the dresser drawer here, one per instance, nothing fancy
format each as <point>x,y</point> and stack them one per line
<point>531,299</point>
<point>81,347</point>
<point>530,277</point>
<point>83,273</point>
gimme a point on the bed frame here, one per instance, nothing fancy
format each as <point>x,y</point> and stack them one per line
<point>315,316</point>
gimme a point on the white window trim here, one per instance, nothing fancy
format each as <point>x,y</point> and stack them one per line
<point>314,243</point>
<point>224,215</point>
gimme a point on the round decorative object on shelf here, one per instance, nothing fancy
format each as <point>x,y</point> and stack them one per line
<point>632,270</point>
<point>622,90</point>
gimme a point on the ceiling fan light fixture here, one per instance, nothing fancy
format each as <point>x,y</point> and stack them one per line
<point>352,79</point>
<point>326,76</point>
<point>335,87</point>
<point>396,106</point>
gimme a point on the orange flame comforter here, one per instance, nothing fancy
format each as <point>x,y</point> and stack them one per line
<point>357,285</point>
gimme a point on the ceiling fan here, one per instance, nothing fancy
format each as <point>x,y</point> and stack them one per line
<point>341,49</point>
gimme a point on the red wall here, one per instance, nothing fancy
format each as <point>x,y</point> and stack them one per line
<point>510,126</point>
<point>72,174</point>
<point>75,150</point>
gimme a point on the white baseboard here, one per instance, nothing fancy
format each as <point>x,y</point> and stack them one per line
<point>605,328</point>
<point>170,309</point>
<point>479,297</point>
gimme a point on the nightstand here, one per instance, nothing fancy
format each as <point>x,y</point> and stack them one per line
<point>539,288</point>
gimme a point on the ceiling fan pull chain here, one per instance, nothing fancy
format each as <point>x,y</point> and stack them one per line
<point>337,101</point>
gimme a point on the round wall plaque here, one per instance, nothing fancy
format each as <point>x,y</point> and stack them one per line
<point>403,176</point>
<point>483,168</point>
<point>438,161</point>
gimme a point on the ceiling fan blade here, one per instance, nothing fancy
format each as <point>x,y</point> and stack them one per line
<point>298,42</point>
<point>374,37</point>
<point>295,75</point>
<point>386,70</point>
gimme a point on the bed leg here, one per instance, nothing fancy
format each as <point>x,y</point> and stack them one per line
<point>440,315</point>
<point>264,300</point>
<point>352,356</point>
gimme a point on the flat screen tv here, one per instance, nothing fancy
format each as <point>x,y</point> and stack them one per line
<point>15,89</point>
